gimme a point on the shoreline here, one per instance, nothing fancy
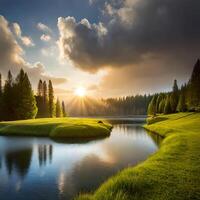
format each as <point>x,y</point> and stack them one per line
<point>66,128</point>
<point>170,173</point>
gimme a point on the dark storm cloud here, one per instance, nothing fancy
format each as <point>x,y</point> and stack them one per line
<point>137,30</point>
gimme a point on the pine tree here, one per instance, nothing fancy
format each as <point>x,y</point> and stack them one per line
<point>45,106</point>
<point>58,109</point>
<point>0,85</point>
<point>1,92</point>
<point>51,100</point>
<point>193,94</point>
<point>161,106</point>
<point>152,110</point>
<point>39,99</point>
<point>7,98</point>
<point>174,97</point>
<point>63,109</point>
<point>25,103</point>
<point>167,108</point>
<point>181,107</point>
<point>40,88</point>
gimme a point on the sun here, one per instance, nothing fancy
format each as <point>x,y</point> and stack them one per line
<point>80,91</point>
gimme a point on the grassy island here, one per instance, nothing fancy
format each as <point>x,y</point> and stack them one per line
<point>172,173</point>
<point>57,128</point>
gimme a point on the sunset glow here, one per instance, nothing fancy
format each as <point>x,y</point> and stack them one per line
<point>80,91</point>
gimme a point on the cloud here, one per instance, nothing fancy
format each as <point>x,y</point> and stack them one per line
<point>74,42</point>
<point>45,37</point>
<point>11,56</point>
<point>135,32</point>
<point>43,27</point>
<point>93,87</point>
<point>27,41</point>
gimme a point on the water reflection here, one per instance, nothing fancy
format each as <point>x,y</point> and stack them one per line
<point>45,153</point>
<point>18,160</point>
<point>83,176</point>
<point>62,169</point>
<point>156,138</point>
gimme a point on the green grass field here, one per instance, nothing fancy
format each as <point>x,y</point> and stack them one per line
<point>172,173</point>
<point>57,128</point>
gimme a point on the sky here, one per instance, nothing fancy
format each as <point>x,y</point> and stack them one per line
<point>110,47</point>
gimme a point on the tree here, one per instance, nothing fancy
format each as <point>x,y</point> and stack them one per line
<point>161,106</point>
<point>193,94</point>
<point>167,108</point>
<point>182,107</point>
<point>51,100</point>
<point>174,97</point>
<point>152,106</point>
<point>40,88</point>
<point>45,110</point>
<point>63,109</point>
<point>8,98</point>
<point>1,92</point>
<point>39,99</point>
<point>25,103</point>
<point>58,109</point>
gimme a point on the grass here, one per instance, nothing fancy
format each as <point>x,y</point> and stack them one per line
<point>172,173</point>
<point>56,128</point>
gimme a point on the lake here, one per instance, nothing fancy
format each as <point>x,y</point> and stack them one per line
<point>43,169</point>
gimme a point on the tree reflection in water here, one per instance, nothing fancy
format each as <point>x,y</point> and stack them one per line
<point>45,154</point>
<point>19,160</point>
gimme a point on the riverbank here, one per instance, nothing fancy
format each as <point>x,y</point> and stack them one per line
<point>57,128</point>
<point>171,173</point>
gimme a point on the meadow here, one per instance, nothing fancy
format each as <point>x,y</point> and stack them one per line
<point>172,173</point>
<point>57,128</point>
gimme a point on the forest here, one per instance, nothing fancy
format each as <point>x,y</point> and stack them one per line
<point>17,99</point>
<point>186,98</point>
<point>43,104</point>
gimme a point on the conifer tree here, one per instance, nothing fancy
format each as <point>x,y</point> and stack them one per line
<point>40,88</point>
<point>1,92</point>
<point>58,108</point>
<point>7,98</point>
<point>0,85</point>
<point>167,108</point>
<point>161,106</point>
<point>174,97</point>
<point>181,107</point>
<point>25,103</point>
<point>39,99</point>
<point>193,94</point>
<point>152,110</point>
<point>63,109</point>
<point>51,100</point>
<point>45,101</point>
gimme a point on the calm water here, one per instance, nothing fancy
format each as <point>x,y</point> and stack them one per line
<point>42,169</point>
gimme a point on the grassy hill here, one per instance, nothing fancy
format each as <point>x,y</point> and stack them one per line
<point>56,127</point>
<point>173,173</point>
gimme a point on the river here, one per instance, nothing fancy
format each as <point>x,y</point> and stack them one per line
<point>43,169</point>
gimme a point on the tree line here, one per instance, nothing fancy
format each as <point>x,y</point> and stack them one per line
<point>123,106</point>
<point>45,101</point>
<point>17,99</point>
<point>186,98</point>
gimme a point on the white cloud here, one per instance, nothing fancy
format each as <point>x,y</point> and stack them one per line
<point>50,51</point>
<point>27,41</point>
<point>43,27</point>
<point>45,37</point>
<point>11,56</point>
